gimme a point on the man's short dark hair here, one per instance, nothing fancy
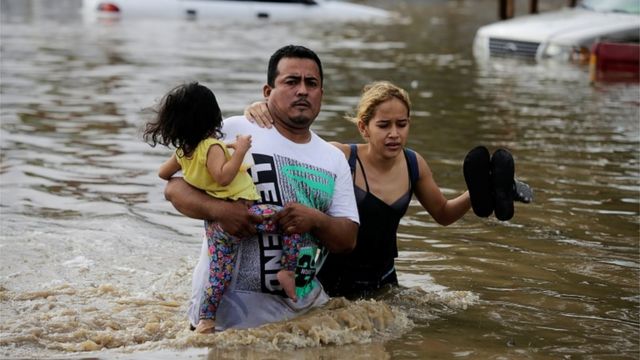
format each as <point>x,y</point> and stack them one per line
<point>291,51</point>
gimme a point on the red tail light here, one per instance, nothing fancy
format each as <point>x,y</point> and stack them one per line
<point>108,7</point>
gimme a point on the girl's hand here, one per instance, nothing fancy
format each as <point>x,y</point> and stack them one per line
<point>258,112</point>
<point>242,144</point>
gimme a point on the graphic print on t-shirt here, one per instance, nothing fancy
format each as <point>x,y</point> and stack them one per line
<point>281,180</point>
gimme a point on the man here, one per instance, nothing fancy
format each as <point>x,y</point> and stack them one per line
<point>295,168</point>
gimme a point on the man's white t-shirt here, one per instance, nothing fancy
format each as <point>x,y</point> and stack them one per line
<point>314,174</point>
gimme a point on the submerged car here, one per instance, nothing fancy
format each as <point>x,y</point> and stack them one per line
<point>233,10</point>
<point>565,34</point>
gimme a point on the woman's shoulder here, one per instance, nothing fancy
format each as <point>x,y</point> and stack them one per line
<point>342,147</point>
<point>412,153</point>
<point>418,164</point>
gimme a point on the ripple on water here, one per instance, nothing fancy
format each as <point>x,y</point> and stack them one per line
<point>67,318</point>
<point>91,302</point>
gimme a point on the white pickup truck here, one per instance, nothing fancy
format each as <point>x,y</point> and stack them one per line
<point>563,35</point>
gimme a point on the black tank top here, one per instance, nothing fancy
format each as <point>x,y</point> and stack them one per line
<point>371,264</point>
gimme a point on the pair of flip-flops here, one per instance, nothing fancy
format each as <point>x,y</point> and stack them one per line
<point>491,183</point>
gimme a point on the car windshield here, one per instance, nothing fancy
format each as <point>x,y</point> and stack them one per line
<point>619,6</point>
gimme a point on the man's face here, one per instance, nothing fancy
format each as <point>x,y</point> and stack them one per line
<point>295,99</point>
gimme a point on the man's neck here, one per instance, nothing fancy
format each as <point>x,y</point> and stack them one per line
<point>298,136</point>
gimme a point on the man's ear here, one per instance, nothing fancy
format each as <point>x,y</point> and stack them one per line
<point>266,91</point>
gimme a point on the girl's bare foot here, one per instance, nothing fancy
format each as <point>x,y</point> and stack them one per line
<point>206,326</point>
<point>288,282</point>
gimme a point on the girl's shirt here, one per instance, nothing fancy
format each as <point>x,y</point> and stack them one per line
<point>194,170</point>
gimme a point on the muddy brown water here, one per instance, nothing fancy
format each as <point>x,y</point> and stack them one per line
<point>95,264</point>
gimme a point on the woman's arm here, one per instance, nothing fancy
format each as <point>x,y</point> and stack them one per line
<point>442,210</point>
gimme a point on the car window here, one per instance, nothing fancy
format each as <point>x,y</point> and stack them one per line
<point>620,6</point>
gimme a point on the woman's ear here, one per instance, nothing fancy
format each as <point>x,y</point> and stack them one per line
<point>362,127</point>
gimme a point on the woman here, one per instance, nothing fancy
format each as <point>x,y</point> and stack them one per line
<point>383,192</point>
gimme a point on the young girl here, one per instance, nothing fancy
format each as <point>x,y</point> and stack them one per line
<point>189,119</point>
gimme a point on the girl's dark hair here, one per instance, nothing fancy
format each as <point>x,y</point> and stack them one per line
<point>185,116</point>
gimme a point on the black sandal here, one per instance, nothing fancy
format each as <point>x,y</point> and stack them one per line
<point>477,175</point>
<point>502,171</point>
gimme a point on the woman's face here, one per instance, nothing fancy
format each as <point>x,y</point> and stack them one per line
<point>388,130</point>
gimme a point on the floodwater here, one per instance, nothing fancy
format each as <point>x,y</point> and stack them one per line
<point>95,264</point>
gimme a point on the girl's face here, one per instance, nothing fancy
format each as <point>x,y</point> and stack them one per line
<point>388,130</point>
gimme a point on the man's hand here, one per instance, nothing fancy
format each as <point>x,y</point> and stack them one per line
<point>338,234</point>
<point>297,219</point>
<point>237,220</point>
<point>233,216</point>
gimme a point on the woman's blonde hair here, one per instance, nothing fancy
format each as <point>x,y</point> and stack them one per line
<point>375,94</point>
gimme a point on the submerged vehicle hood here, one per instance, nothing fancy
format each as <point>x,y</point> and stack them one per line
<point>231,11</point>
<point>568,26</point>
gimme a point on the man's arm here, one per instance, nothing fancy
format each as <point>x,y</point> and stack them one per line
<point>232,216</point>
<point>338,234</point>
